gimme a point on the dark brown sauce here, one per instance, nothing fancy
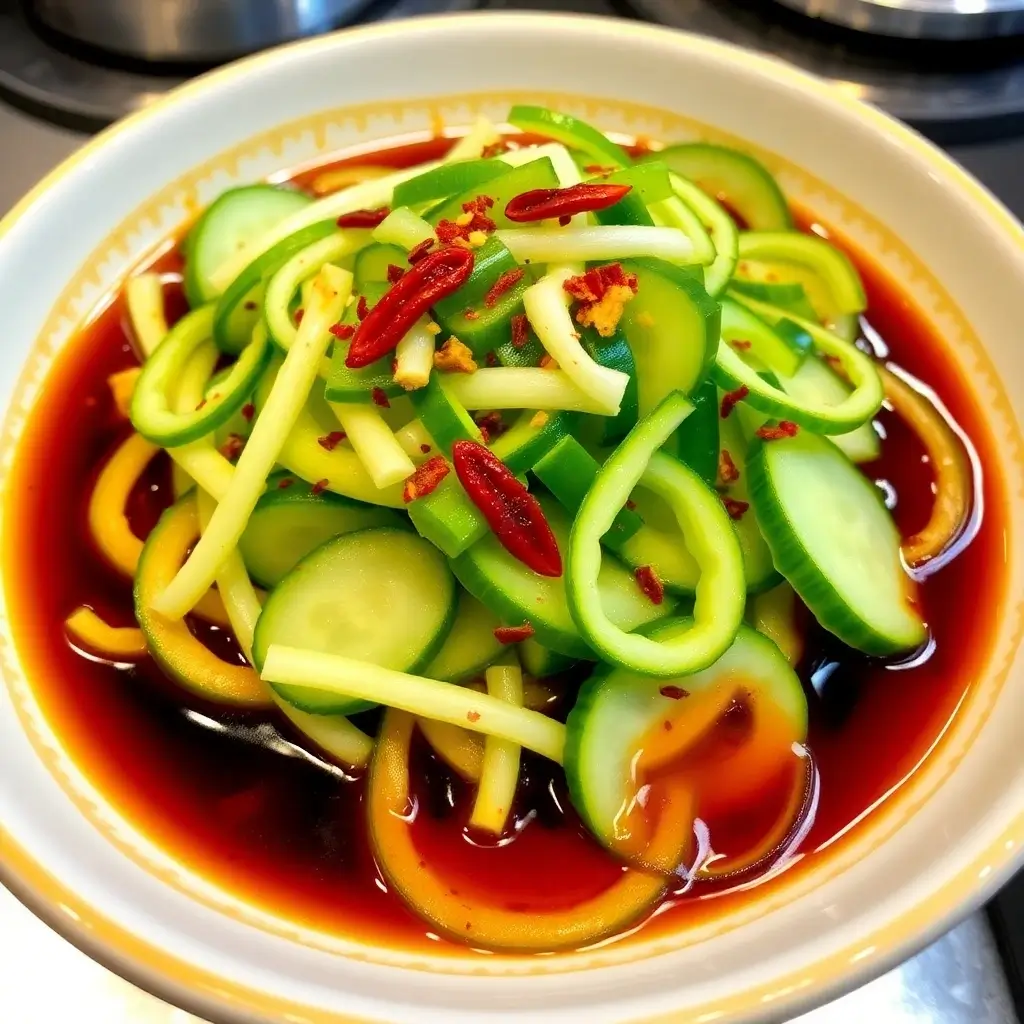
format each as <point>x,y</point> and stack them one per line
<point>231,796</point>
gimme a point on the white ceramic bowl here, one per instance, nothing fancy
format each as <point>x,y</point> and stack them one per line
<point>931,852</point>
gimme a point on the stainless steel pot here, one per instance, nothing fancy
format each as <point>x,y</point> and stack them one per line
<point>191,30</point>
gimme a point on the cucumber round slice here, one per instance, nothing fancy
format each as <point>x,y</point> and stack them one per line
<point>720,226</point>
<point>236,220</point>
<point>735,177</point>
<point>289,521</point>
<point>471,645</point>
<point>371,264</point>
<point>659,543</point>
<point>516,594</point>
<point>617,710</point>
<point>832,537</point>
<point>383,596</point>
<point>570,131</point>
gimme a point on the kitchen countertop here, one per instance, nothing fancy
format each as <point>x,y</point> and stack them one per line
<point>958,980</point>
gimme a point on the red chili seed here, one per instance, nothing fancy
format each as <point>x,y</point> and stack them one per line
<point>520,330</point>
<point>249,305</point>
<point>379,398</point>
<point>740,345</point>
<point>511,511</point>
<point>435,276</point>
<point>395,273</point>
<point>513,634</point>
<point>564,221</point>
<point>424,448</point>
<point>652,587</point>
<point>331,441</point>
<point>630,504</point>
<point>362,308</point>
<point>598,169</point>
<point>731,398</point>
<point>248,411</point>
<point>472,716</point>
<point>491,359</point>
<point>285,483</point>
<point>202,402</point>
<point>299,314</point>
<point>232,446</point>
<point>363,218</point>
<point>735,508</point>
<point>471,314</point>
<point>507,280</point>
<point>727,471</point>
<point>417,252</point>
<point>320,486</point>
<point>673,692</point>
<point>784,428</point>
<point>342,331</point>
<point>544,203</point>
<point>425,479</point>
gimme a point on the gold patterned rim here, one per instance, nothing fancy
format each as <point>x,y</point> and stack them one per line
<point>183,982</point>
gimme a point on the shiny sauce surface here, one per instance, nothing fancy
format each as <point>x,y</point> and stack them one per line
<point>242,799</point>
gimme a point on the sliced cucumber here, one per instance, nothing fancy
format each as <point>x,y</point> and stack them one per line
<point>649,183</point>
<point>763,341</point>
<point>734,178</point>
<point>831,536</point>
<point>518,595</point>
<point>383,596</point>
<point>230,224</point>
<point>617,711</point>
<point>789,296</point>
<point>530,438</point>
<point>720,226</point>
<point>696,441</point>
<point>660,544</point>
<point>443,417</point>
<point>361,385</point>
<point>444,181</point>
<point>570,131</point>
<point>470,646</point>
<point>541,663</point>
<point>447,518</point>
<point>615,354</point>
<point>371,265</point>
<point>290,521</point>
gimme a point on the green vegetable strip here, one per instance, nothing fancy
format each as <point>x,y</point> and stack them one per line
<point>145,297</point>
<point>570,131</point>
<point>474,142</point>
<point>499,775</point>
<point>445,702</point>
<point>521,387</point>
<point>276,419</point>
<point>334,734</point>
<point>721,591</point>
<point>446,181</point>
<point>413,437</point>
<point>374,442</point>
<point>559,245</point>
<point>547,308</point>
<point>367,195</point>
<point>674,213</point>
<point>403,228</point>
<point>719,225</point>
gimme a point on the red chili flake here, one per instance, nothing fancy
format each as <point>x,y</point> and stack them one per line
<point>485,435</point>
<point>784,428</point>
<point>394,365</point>
<point>545,203</point>
<point>417,252</point>
<point>299,314</point>
<point>727,471</point>
<point>202,402</point>
<point>511,511</point>
<point>474,218</point>
<point>630,504</point>
<point>320,486</point>
<point>494,149</point>
<point>472,716</point>
<point>564,221</point>
<point>602,293</point>
<point>471,314</point>
<point>250,305</point>
<point>342,331</point>
<point>448,231</point>
<point>395,273</point>
<point>232,446</point>
<point>491,423</point>
<point>363,218</point>
<point>285,483</point>
<point>731,398</point>
<point>647,580</point>
<point>248,411</point>
<point>507,280</point>
<point>433,278</point>
<point>491,359</point>
<point>379,398</point>
<point>735,508</point>
<point>331,441</point>
<point>673,692</point>
<point>740,345</point>
<point>513,634</point>
<point>362,308</point>
<point>425,479</point>
<point>424,448</point>
<point>599,169</point>
<point>668,725</point>
<point>520,330</point>
<point>479,205</point>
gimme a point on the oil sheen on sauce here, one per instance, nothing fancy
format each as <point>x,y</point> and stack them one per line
<point>241,800</point>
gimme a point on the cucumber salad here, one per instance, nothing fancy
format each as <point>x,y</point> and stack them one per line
<point>549,408</point>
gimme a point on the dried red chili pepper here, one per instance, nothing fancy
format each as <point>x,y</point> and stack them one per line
<point>320,486</point>
<point>520,330</point>
<point>363,218</point>
<point>331,441</point>
<point>432,278</point>
<point>731,398</point>
<point>673,692</point>
<point>511,511</point>
<point>784,428</point>
<point>513,634</point>
<point>417,252</point>
<point>544,203</point>
<point>425,479</point>
<point>647,580</point>
<point>380,398</point>
<point>342,331</point>
<point>395,273</point>
<point>735,508</point>
<point>248,411</point>
<point>507,280</point>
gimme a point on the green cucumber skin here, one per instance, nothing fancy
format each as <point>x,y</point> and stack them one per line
<point>573,133</point>
<point>201,240</point>
<point>615,354</point>
<point>319,703</point>
<point>720,227</point>
<point>470,645</point>
<point>444,419</point>
<point>793,560</point>
<point>522,446</point>
<point>371,264</point>
<point>749,187</point>
<point>650,184</point>
<point>696,440</point>
<point>443,182</point>
<point>788,296</point>
<point>448,518</point>
<point>232,328</point>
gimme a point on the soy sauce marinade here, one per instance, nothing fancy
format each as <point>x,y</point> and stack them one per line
<point>238,798</point>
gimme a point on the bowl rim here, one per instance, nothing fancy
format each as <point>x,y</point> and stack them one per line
<point>114,947</point>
